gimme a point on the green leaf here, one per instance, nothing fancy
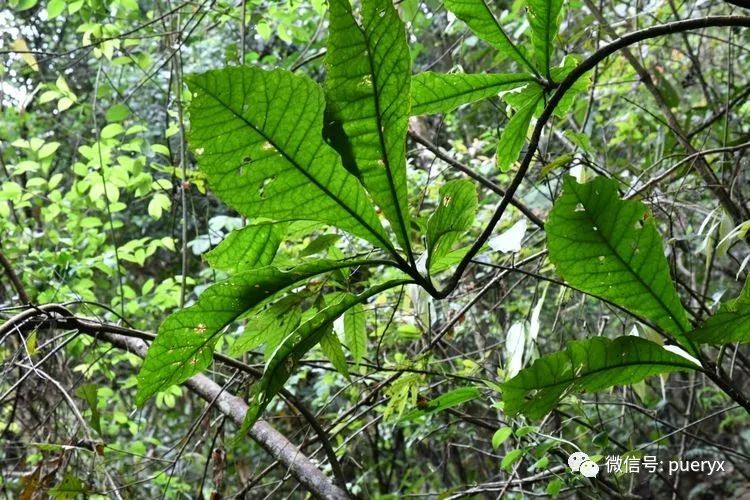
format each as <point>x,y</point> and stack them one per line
<point>319,244</point>
<point>331,347</point>
<point>88,392</point>
<point>444,401</point>
<point>514,135</point>
<point>270,326</point>
<point>257,137</point>
<point>355,332</point>
<point>586,366</point>
<point>117,113</point>
<point>69,488</point>
<point>441,92</point>
<point>511,458</point>
<point>294,347</point>
<point>454,216</point>
<point>55,8</point>
<point>185,342</point>
<point>544,20</point>
<point>731,323</point>
<point>611,249</point>
<point>480,19</point>
<point>500,436</point>
<point>247,248</point>
<point>367,93</point>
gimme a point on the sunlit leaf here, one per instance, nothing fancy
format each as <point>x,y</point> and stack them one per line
<point>247,248</point>
<point>610,248</point>
<point>544,20</point>
<point>440,92</point>
<point>257,137</point>
<point>367,92</point>
<point>483,22</point>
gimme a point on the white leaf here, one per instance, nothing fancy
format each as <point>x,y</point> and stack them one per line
<point>510,240</point>
<point>515,343</point>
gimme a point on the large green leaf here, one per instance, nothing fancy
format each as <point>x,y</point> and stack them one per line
<point>544,20</point>
<point>454,215</point>
<point>444,92</point>
<point>514,134</point>
<point>247,248</point>
<point>288,353</point>
<point>480,19</point>
<point>731,323</point>
<point>367,93</point>
<point>185,342</point>
<point>586,366</point>
<point>611,249</point>
<point>258,138</point>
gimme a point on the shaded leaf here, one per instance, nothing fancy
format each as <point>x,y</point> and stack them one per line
<point>331,347</point>
<point>586,366</point>
<point>355,332</point>
<point>454,216</point>
<point>284,359</point>
<point>270,326</point>
<point>257,137</point>
<point>88,392</point>
<point>247,248</point>
<point>367,92</point>
<point>514,134</point>
<point>444,92</point>
<point>611,249</point>
<point>731,323</point>
<point>450,399</point>
<point>185,342</point>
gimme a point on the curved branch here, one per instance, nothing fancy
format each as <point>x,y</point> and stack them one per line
<point>580,70</point>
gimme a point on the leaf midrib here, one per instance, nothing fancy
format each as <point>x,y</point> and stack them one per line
<point>299,168</point>
<point>507,38</point>
<point>606,242</point>
<point>475,89</point>
<point>606,368</point>
<point>381,140</point>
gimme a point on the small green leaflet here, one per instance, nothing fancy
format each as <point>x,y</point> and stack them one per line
<point>443,92</point>
<point>480,19</point>
<point>295,346</point>
<point>454,216</point>
<point>185,342</point>
<point>257,136</point>
<point>88,392</point>
<point>514,135</point>
<point>331,347</point>
<point>247,248</point>
<point>500,436</point>
<point>544,20</point>
<point>367,93</point>
<point>586,366</point>
<point>355,332</point>
<point>444,401</point>
<point>611,249</point>
<point>731,323</point>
